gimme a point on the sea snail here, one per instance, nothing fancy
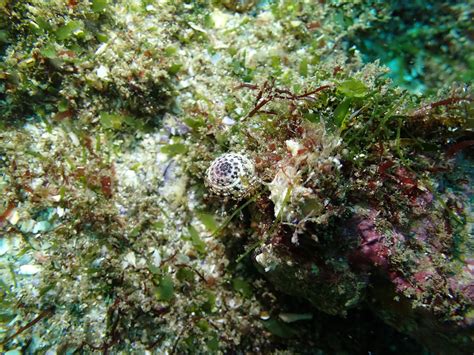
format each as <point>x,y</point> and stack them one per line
<point>231,174</point>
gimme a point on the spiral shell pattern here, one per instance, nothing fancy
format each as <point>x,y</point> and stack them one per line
<point>231,174</point>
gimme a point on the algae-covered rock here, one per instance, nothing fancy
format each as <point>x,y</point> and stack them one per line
<point>415,275</point>
<point>67,58</point>
<point>329,285</point>
<point>226,177</point>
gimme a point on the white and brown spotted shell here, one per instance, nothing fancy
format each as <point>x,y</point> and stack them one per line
<point>231,174</point>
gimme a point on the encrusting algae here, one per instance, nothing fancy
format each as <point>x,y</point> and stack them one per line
<point>226,177</point>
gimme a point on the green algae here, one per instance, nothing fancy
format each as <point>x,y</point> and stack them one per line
<point>134,252</point>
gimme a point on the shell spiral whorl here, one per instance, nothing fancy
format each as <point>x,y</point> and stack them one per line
<point>231,174</point>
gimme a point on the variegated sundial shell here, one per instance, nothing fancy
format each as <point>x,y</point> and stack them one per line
<point>231,174</point>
